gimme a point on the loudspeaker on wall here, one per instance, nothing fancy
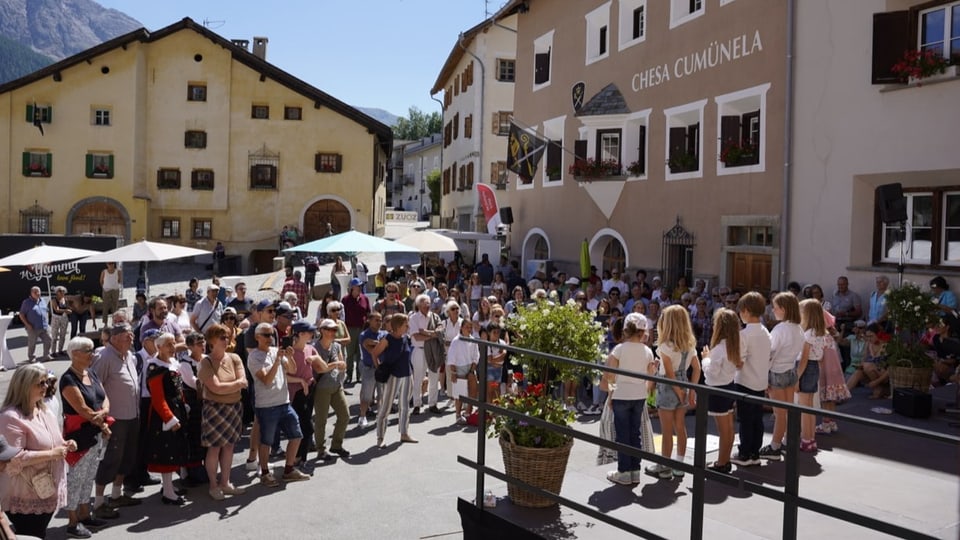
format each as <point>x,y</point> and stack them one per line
<point>506,215</point>
<point>891,203</point>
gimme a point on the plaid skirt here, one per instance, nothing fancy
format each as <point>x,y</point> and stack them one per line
<point>221,424</point>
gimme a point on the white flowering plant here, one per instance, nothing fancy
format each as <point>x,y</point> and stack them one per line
<point>562,330</point>
<point>912,311</point>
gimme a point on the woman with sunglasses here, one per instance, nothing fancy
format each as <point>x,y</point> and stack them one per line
<point>178,311</point>
<point>26,423</point>
<point>230,322</point>
<point>301,384</point>
<point>395,351</point>
<point>390,304</point>
<point>86,421</point>
<point>222,378</point>
<point>330,368</point>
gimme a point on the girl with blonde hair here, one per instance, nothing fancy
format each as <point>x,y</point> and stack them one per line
<point>677,348</point>
<point>815,339</point>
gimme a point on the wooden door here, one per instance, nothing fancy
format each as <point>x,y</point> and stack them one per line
<point>750,272</point>
<point>99,217</point>
<point>322,212</point>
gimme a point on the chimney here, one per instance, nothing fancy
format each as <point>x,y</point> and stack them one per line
<point>260,47</point>
<point>242,43</point>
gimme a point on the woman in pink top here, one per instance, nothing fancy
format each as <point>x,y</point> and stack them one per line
<point>26,423</point>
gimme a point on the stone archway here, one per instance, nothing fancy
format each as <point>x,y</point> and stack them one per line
<point>608,250</point>
<point>99,215</point>
<point>325,211</point>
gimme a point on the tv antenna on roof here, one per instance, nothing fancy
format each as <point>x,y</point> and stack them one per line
<point>213,25</point>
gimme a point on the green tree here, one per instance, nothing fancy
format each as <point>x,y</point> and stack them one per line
<point>433,184</point>
<point>417,124</point>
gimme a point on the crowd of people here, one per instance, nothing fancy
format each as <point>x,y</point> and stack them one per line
<point>175,383</point>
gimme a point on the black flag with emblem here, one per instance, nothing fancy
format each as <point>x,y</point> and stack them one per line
<point>523,152</point>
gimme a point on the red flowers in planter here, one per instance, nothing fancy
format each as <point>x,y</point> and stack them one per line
<point>919,64</point>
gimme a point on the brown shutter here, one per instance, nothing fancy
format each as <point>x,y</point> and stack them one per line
<point>554,155</point>
<point>580,149</point>
<point>729,129</point>
<point>678,141</point>
<point>642,150</point>
<point>891,37</point>
<point>541,70</point>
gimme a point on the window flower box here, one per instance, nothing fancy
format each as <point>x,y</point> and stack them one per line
<point>917,65</point>
<point>588,170</point>
<point>682,162</point>
<point>738,154</point>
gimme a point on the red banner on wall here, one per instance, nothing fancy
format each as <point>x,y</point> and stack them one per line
<point>488,203</point>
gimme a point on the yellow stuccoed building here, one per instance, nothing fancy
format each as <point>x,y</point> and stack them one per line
<point>182,136</point>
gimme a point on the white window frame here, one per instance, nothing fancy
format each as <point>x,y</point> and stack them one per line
<point>944,242</point>
<point>910,247</point>
<point>680,116</point>
<point>680,12</point>
<point>947,27</point>
<point>595,20</point>
<point>543,44</point>
<point>625,23</point>
<point>554,129</point>
<point>740,102</point>
<point>629,145</point>
<point>101,117</point>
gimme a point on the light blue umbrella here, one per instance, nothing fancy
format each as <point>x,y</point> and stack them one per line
<point>352,242</point>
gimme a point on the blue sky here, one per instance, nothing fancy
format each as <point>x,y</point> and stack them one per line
<point>369,53</point>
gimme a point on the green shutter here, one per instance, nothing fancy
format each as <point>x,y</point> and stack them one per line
<point>49,164</point>
<point>49,118</point>
<point>29,113</point>
<point>89,165</point>
<point>26,163</point>
<point>339,162</point>
<point>111,165</point>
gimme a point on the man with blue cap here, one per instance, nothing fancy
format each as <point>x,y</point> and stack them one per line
<point>356,307</point>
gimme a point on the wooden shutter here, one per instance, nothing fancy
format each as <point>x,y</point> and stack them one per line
<point>110,162</point>
<point>30,113</point>
<point>49,164</point>
<point>554,154</point>
<point>26,163</point>
<point>678,141</point>
<point>89,165</point>
<point>642,150</point>
<point>603,40</point>
<point>891,37</point>
<point>580,150</point>
<point>541,70</point>
<point>729,129</point>
<point>49,118</point>
<point>339,165</point>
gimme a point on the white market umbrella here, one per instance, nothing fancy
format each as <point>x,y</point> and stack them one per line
<point>45,254</point>
<point>145,252</point>
<point>428,242</point>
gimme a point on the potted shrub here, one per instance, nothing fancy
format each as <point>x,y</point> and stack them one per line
<point>636,168</point>
<point>912,311</point>
<point>917,65</point>
<point>681,162</point>
<point>737,153</point>
<point>593,169</point>
<point>532,453</point>
<point>553,173</point>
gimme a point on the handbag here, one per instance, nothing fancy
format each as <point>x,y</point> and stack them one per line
<point>42,484</point>
<point>434,352</point>
<point>382,373</point>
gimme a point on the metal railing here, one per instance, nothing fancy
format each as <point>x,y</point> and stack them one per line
<point>789,496</point>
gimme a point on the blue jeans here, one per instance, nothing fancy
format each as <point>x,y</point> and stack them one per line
<point>626,422</point>
<point>274,420</point>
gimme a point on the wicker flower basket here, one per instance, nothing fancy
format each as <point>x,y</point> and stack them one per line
<point>904,375</point>
<point>540,467</point>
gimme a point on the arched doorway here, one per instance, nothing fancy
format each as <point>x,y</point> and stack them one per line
<point>99,215</point>
<point>536,247</point>
<point>325,211</point>
<point>608,251</point>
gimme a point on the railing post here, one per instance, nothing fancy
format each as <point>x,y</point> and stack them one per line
<point>481,422</point>
<point>791,484</point>
<point>699,466</point>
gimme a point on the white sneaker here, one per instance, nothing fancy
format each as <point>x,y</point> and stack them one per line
<point>363,423</point>
<point>252,465</point>
<point>594,410</point>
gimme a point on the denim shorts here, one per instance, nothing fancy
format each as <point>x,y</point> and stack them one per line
<point>810,380</point>
<point>280,417</point>
<point>667,397</point>
<point>494,374</point>
<point>787,379</point>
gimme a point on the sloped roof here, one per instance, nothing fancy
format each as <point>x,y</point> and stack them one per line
<point>606,101</point>
<point>240,54</point>
<point>459,47</point>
